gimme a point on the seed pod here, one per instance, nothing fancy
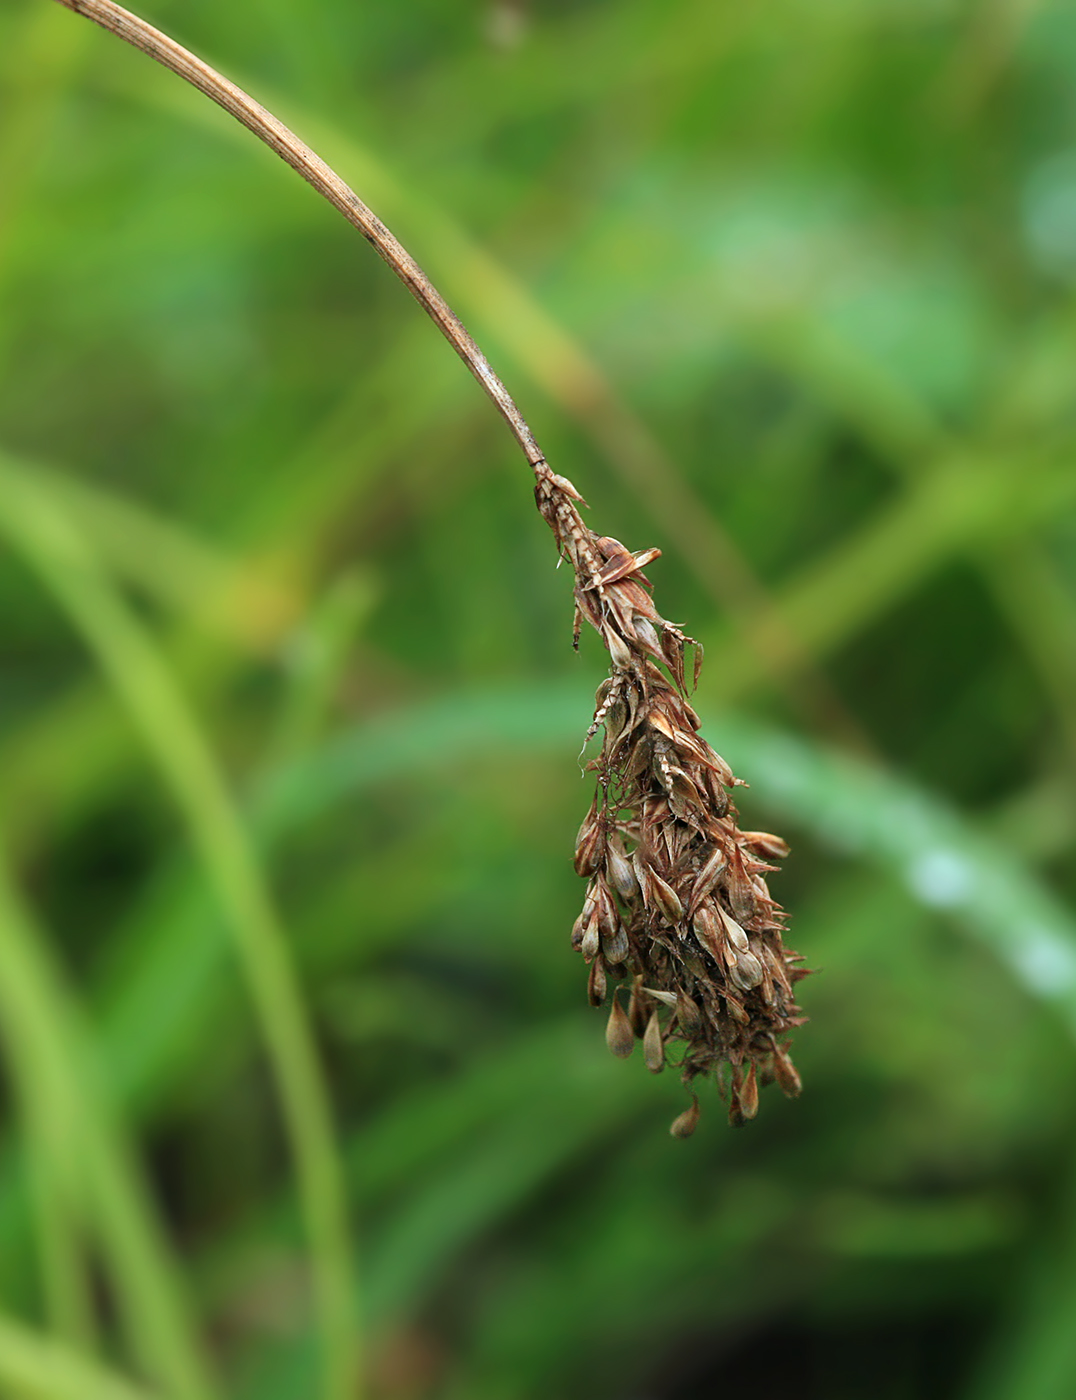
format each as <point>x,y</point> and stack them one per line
<point>741,891</point>
<point>596,983</point>
<point>764,844</point>
<point>694,963</point>
<point>747,972</point>
<point>618,1033</point>
<point>665,898</point>
<point>638,760</point>
<point>684,798</point>
<point>638,1008</point>
<point>577,933</point>
<point>687,1013</point>
<point>784,1071</point>
<point>615,947</point>
<point>687,1122</point>
<point>591,941</point>
<point>672,645</point>
<point>749,1094</point>
<point>719,798</point>
<point>619,651</point>
<point>608,918</point>
<point>589,844</point>
<point>660,721</point>
<point>615,721</point>
<point>653,1045</point>
<point>691,746</point>
<point>707,930</point>
<point>565,486</point>
<point>619,870</point>
<point>736,1010</point>
<point>734,933</point>
<point>648,637</point>
<point>644,875</point>
<point>617,559</point>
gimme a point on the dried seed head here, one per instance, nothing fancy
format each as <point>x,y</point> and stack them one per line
<point>677,900</point>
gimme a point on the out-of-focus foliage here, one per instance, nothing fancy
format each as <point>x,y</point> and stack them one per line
<point>289,714</point>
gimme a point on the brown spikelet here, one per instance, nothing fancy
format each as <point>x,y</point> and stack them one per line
<point>619,1035</point>
<point>684,1126</point>
<point>677,901</point>
<point>653,1049</point>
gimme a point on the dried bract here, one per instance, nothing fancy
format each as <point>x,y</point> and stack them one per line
<point>677,903</point>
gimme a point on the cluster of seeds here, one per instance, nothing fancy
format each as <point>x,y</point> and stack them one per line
<point>677,907</point>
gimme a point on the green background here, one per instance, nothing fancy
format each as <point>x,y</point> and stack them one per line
<point>291,1031</point>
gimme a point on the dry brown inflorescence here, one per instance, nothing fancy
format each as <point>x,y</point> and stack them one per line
<point>677,905</point>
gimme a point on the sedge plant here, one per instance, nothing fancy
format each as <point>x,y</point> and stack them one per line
<point>677,907</point>
<point>682,938</point>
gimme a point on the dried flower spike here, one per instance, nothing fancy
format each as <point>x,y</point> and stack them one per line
<point>676,898</point>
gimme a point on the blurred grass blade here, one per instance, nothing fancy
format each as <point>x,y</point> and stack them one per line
<point>38,527</point>
<point>442,1167</point>
<point>172,563</point>
<point>33,1367</point>
<point>967,505</point>
<point>1033,1357</point>
<point>52,1060</point>
<point>527,1138</point>
<point>318,656</point>
<point>51,1140</point>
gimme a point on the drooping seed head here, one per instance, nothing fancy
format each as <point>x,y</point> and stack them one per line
<point>677,903</point>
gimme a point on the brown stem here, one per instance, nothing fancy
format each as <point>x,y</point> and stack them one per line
<point>325,180</point>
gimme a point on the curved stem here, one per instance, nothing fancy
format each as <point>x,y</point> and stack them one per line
<point>325,180</point>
